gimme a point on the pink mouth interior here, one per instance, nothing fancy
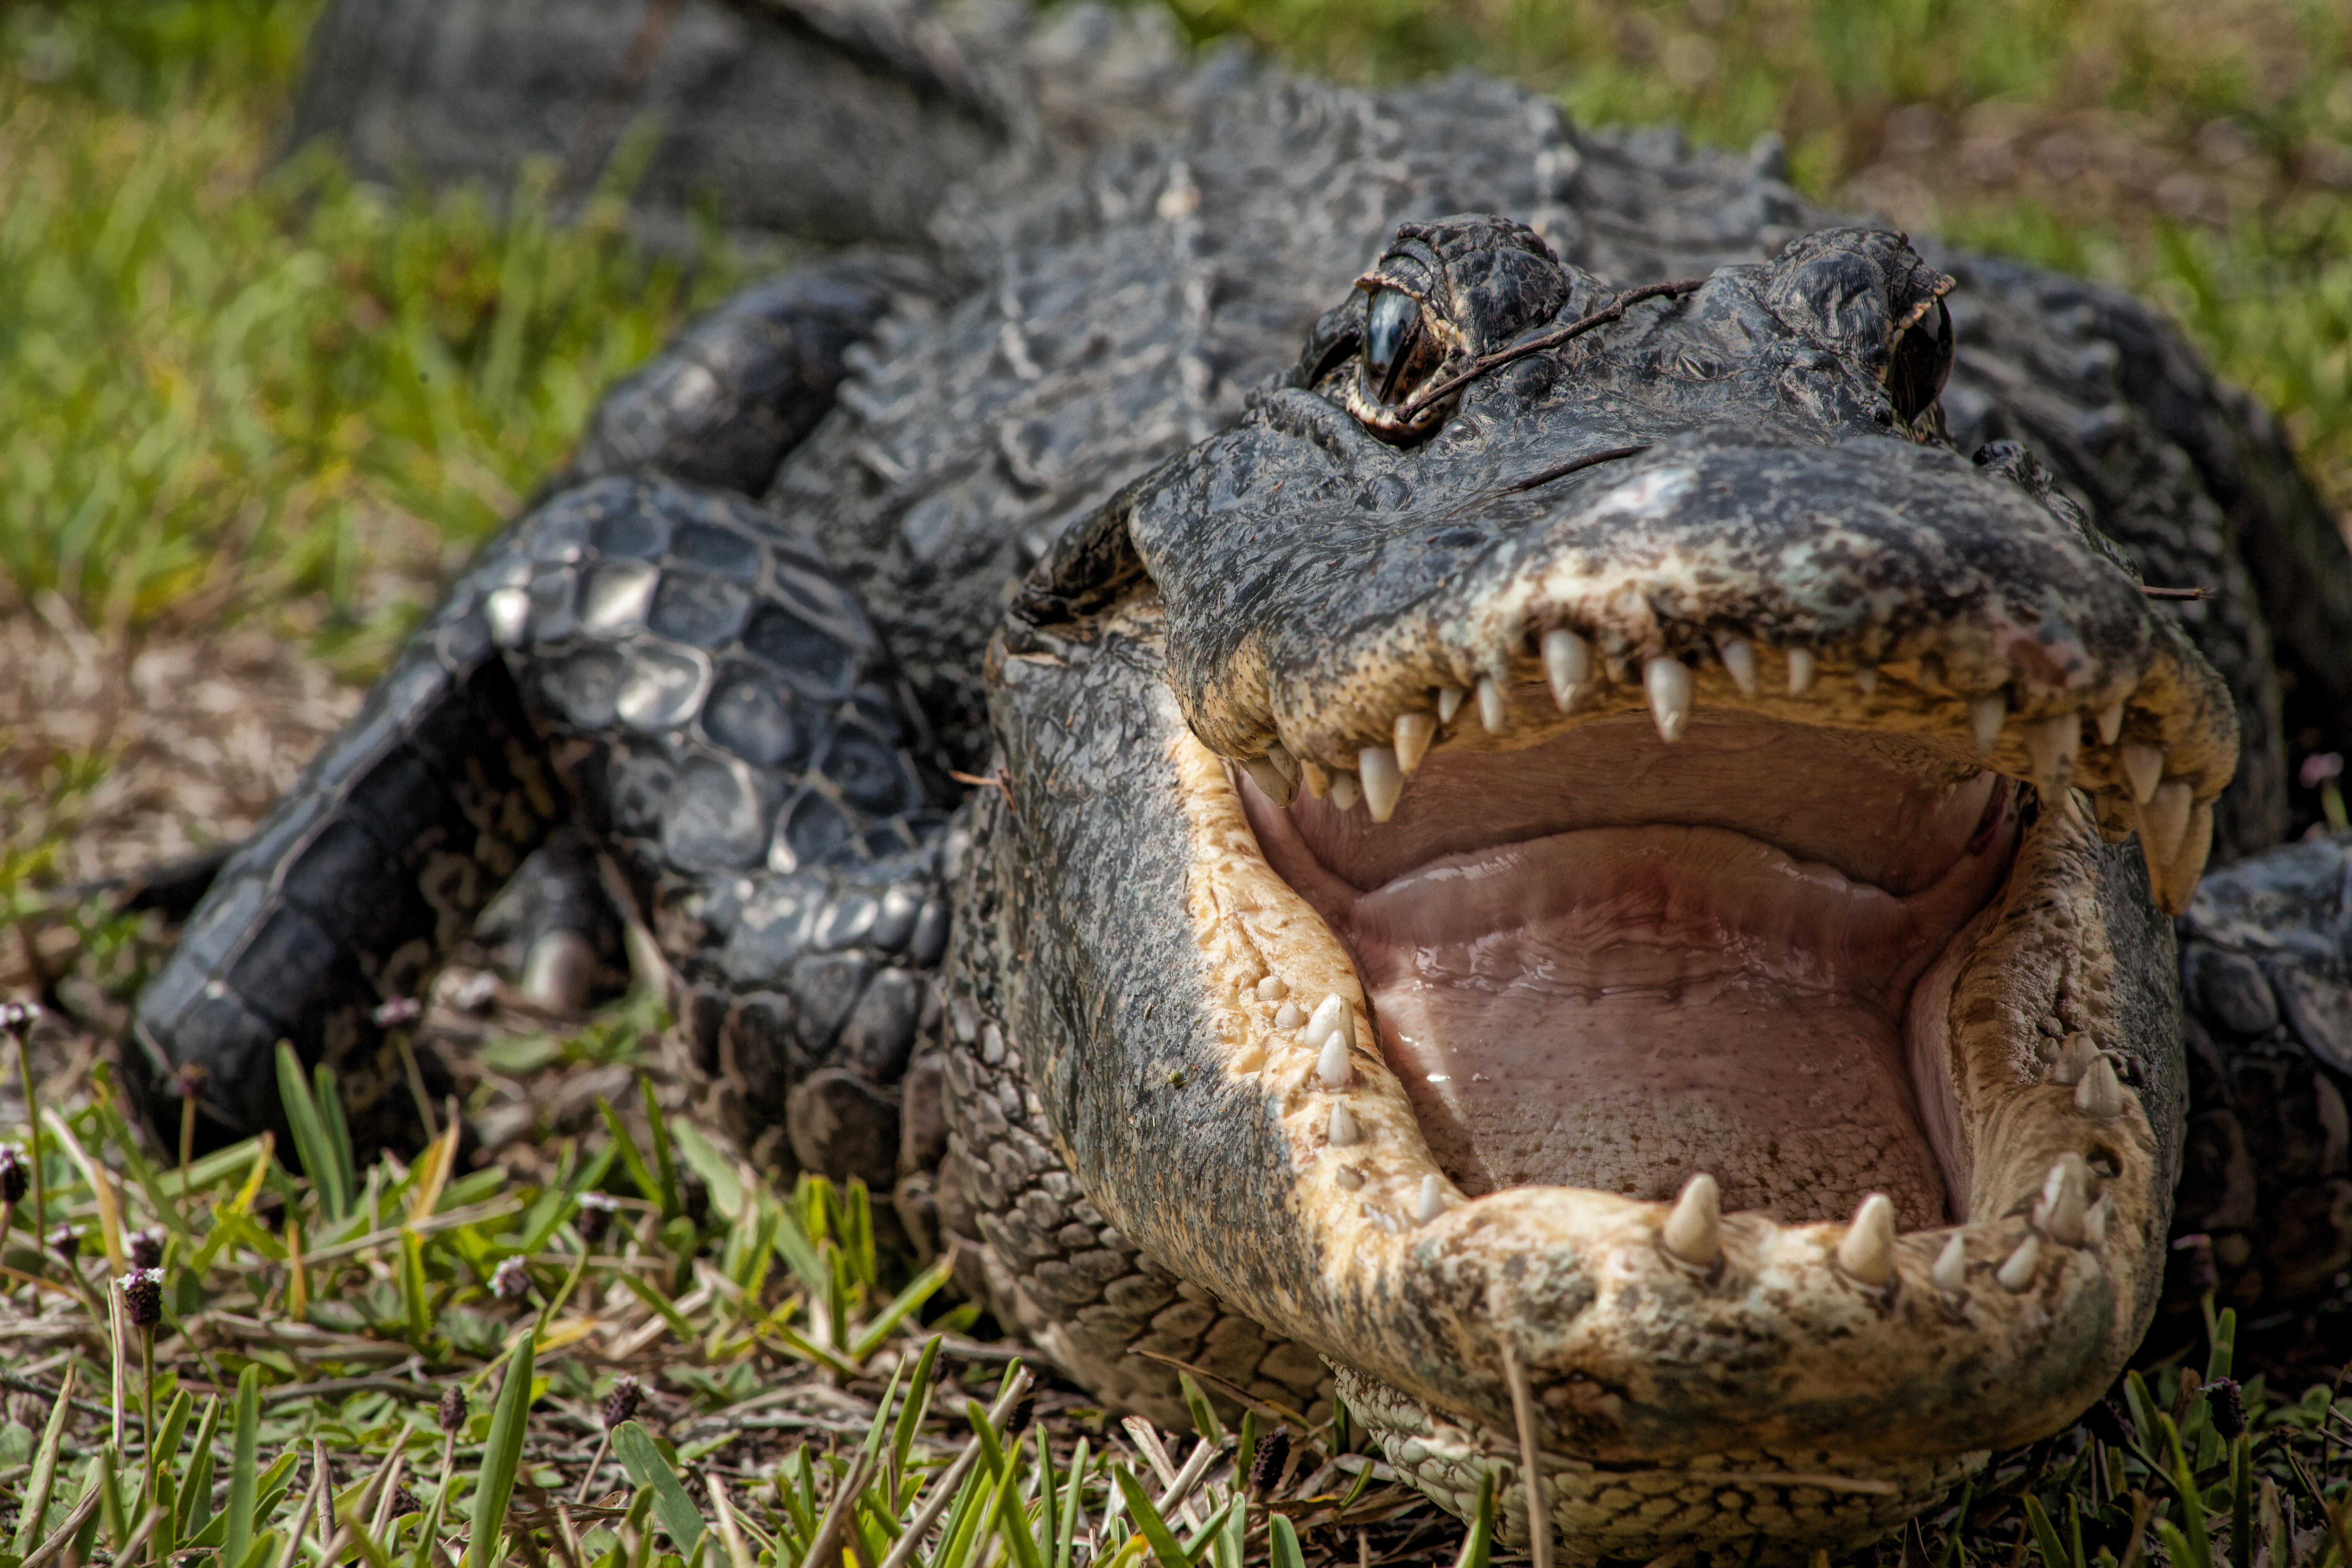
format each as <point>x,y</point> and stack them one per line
<point>1610,962</point>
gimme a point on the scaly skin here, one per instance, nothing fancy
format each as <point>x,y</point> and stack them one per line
<point>1228,555</point>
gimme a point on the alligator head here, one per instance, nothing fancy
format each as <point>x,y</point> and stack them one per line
<point>1576,862</point>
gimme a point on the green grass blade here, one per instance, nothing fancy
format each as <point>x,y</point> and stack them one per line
<point>2192,1500</point>
<point>1212,1531</point>
<point>1013,1522</point>
<point>196,1485</point>
<point>312,1146</point>
<point>165,1537</point>
<point>992,1452</point>
<point>168,1433</point>
<point>632,1159</point>
<point>44,1480</point>
<point>1204,1414</point>
<point>262,1548</point>
<point>1479,1544</point>
<point>664,1160</point>
<point>634,1446</point>
<point>2225,1341</point>
<point>243,1466</point>
<point>110,1508</point>
<point>918,1401</point>
<point>2045,1535</point>
<point>330,1100</point>
<point>1065,1543</point>
<point>1282,1537</point>
<point>802,1254</point>
<point>501,1456</point>
<point>1154,1529</point>
<point>2242,1498</point>
<point>660,1306</point>
<point>904,1305</point>
<point>1049,1524</point>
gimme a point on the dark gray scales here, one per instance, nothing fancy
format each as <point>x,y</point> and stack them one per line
<point>737,641</point>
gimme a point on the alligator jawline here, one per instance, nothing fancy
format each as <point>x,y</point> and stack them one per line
<point>1660,1332</point>
<point>1606,962</point>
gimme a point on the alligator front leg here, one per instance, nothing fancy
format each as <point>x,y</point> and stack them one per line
<point>678,671</point>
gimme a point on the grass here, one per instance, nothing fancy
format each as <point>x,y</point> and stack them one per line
<point>621,1366</point>
<point>232,388</point>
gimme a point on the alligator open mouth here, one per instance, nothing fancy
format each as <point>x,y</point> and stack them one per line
<point>1615,963</point>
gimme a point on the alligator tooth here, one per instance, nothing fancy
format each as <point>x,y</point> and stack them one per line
<point>1951,1270</point>
<point>2111,721</point>
<point>1331,1018</point>
<point>1567,660</point>
<point>1342,1132</point>
<point>2051,743</point>
<point>1350,1177</point>
<point>1449,703</point>
<point>2065,1198</point>
<point>1867,1253</point>
<point>2144,766</point>
<point>1269,780</point>
<point>1273,988</point>
<point>2094,1223</point>
<point>2075,1058</point>
<point>2164,823</point>
<point>1382,781</point>
<point>1985,716</point>
<point>2100,1095</point>
<point>2197,844</point>
<point>1345,791</point>
<point>1317,779</point>
<point>1289,1015</point>
<point>1333,1068</point>
<point>1432,1200</point>
<point>1866,677</point>
<point>1802,664</point>
<point>1694,1231</point>
<point>1739,661</point>
<point>1413,733</point>
<point>2017,1274</point>
<point>1668,682</point>
<point>1494,713</point>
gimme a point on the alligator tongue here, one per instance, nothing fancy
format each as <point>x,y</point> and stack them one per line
<point>1624,1001</point>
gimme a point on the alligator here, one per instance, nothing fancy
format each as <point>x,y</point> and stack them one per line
<point>1393,750</point>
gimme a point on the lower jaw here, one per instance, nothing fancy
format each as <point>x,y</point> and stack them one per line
<point>1737,1505</point>
<point>1775,1391</point>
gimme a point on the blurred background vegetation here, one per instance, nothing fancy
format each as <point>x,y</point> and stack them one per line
<point>237,384</point>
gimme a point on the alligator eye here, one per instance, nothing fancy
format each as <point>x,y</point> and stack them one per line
<point>1921,360</point>
<point>1391,328</point>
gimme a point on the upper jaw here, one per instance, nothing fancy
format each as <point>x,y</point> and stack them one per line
<point>1871,583</point>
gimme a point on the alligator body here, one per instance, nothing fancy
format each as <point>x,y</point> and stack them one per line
<point>1379,746</point>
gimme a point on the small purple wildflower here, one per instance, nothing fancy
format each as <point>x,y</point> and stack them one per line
<point>510,1281</point>
<point>142,1297</point>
